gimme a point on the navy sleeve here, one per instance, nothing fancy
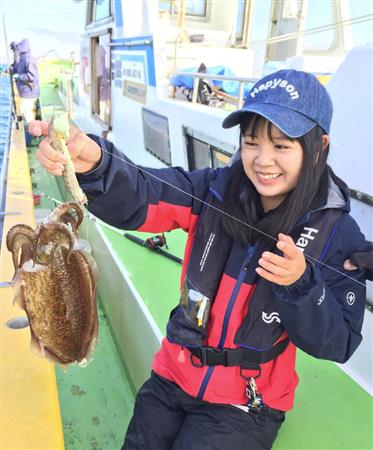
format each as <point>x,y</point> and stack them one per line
<point>132,197</point>
<point>323,311</point>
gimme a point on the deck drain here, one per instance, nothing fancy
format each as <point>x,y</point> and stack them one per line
<point>17,323</point>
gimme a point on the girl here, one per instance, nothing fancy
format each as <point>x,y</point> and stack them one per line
<point>225,374</point>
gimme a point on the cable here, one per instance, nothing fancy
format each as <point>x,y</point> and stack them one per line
<point>225,213</point>
<point>94,218</point>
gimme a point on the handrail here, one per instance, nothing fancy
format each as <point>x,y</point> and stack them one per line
<point>362,197</point>
<point>209,76</point>
<point>133,43</point>
<point>4,165</point>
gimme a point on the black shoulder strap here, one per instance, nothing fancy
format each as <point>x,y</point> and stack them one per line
<point>313,238</point>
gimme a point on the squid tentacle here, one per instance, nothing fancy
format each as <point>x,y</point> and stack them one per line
<point>19,241</point>
<point>69,213</point>
<point>53,234</point>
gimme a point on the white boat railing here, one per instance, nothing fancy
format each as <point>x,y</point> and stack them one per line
<point>208,76</point>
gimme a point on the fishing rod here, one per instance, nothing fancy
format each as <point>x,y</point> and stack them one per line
<point>154,244</point>
<point>14,105</point>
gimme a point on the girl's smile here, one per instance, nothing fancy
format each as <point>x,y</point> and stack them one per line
<point>272,161</point>
<point>268,178</point>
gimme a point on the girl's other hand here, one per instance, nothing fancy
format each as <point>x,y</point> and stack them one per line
<point>362,260</point>
<point>286,269</point>
<point>84,152</point>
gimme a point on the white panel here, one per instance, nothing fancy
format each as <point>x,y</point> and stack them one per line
<point>135,331</point>
<point>351,133</point>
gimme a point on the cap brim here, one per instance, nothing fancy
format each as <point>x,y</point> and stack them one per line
<point>290,122</point>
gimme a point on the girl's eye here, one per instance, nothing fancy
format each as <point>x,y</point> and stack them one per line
<point>250,143</point>
<point>281,147</point>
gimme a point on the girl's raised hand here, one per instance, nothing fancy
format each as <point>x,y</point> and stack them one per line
<point>84,152</point>
<point>286,269</point>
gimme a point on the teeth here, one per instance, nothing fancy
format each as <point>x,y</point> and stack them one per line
<point>269,176</point>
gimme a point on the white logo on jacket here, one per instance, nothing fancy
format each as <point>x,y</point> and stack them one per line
<point>269,318</point>
<point>322,298</point>
<point>351,297</point>
<point>305,237</point>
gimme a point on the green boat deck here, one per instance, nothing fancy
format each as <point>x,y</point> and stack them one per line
<point>331,410</point>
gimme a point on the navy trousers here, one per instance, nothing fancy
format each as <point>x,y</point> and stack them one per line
<point>166,418</point>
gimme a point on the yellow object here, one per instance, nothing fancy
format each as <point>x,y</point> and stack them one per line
<point>323,78</point>
<point>30,413</point>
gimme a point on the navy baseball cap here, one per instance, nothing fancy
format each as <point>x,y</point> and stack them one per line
<point>292,100</point>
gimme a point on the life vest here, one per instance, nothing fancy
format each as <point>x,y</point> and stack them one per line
<point>261,336</point>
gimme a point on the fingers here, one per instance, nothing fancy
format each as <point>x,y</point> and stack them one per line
<point>74,149</point>
<point>286,269</point>
<point>274,263</point>
<point>287,246</point>
<point>38,127</point>
<point>76,143</point>
<point>52,160</point>
<point>347,265</point>
<point>270,276</point>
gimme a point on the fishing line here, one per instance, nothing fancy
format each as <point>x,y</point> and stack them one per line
<point>216,209</point>
<point>87,214</point>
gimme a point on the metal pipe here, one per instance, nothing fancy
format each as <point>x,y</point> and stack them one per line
<point>362,197</point>
<point>210,76</point>
<point>240,95</point>
<point>69,99</point>
<point>133,43</point>
<point>195,89</point>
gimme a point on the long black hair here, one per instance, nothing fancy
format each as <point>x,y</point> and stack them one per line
<point>242,201</point>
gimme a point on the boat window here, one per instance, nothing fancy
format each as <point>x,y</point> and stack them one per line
<point>196,8</point>
<point>316,18</point>
<point>287,19</point>
<point>219,159</point>
<point>242,22</point>
<point>260,14</point>
<point>85,71</point>
<point>198,154</point>
<point>202,154</point>
<point>101,74</point>
<point>100,10</point>
<point>362,29</point>
<point>156,135</point>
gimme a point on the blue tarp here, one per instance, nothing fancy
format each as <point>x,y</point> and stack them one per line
<point>230,87</point>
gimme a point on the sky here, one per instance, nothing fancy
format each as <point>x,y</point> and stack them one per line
<point>51,26</point>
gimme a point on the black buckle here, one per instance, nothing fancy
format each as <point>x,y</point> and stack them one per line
<point>244,358</point>
<point>212,356</point>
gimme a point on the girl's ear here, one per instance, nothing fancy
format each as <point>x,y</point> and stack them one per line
<point>325,141</point>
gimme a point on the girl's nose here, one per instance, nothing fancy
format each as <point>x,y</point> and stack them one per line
<point>265,156</point>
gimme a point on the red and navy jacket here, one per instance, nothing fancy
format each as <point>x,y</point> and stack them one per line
<point>321,313</point>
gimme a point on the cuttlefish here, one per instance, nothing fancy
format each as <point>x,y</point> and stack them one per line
<point>55,283</point>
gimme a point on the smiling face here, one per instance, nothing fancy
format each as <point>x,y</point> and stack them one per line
<point>272,161</point>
